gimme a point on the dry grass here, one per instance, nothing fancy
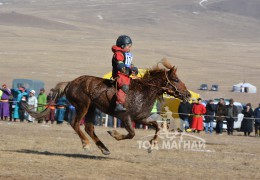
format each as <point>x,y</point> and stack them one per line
<point>30,151</point>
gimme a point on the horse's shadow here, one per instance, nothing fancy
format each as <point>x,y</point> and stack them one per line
<point>47,153</point>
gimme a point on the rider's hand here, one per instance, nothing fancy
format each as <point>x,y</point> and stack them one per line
<point>123,70</point>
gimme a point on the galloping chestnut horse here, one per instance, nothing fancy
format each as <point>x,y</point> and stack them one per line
<point>86,93</point>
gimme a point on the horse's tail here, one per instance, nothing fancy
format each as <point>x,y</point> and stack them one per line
<point>58,92</point>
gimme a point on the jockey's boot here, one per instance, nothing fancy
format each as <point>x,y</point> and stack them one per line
<point>119,107</point>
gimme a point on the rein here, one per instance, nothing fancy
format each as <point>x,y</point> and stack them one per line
<point>163,88</point>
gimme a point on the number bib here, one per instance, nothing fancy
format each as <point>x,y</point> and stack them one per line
<point>128,59</point>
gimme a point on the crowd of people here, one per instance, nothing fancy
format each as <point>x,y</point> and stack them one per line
<point>11,108</point>
<point>195,114</point>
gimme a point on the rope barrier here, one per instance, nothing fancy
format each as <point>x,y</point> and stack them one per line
<point>160,112</point>
<point>39,105</point>
<point>206,115</point>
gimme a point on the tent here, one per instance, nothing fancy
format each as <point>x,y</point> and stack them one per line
<point>244,87</point>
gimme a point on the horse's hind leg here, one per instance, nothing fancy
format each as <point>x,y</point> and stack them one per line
<point>89,128</point>
<point>128,126</point>
<point>80,113</point>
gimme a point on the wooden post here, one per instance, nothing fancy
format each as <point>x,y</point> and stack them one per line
<point>115,122</point>
<point>106,120</point>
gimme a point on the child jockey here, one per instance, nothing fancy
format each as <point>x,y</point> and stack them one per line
<point>122,64</point>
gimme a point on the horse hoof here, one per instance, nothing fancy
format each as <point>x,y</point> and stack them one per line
<point>149,150</point>
<point>112,133</point>
<point>105,152</point>
<point>87,149</point>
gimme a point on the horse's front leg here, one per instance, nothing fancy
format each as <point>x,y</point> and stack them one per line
<point>154,140</point>
<point>128,126</point>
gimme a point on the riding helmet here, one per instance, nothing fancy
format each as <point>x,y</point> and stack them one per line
<point>123,40</point>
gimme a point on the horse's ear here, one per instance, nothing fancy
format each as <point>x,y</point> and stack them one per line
<point>173,69</point>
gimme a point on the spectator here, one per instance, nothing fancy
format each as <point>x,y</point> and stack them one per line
<point>12,102</point>
<point>32,102</point>
<point>257,121</point>
<point>4,104</point>
<point>231,116</point>
<point>198,110</point>
<point>98,117</point>
<point>61,103</point>
<point>221,112</point>
<point>70,113</point>
<point>209,118</point>
<point>119,123</point>
<point>184,111</point>
<point>193,101</point>
<point>42,101</point>
<point>154,115</point>
<point>18,110</point>
<point>247,122</point>
<point>51,115</point>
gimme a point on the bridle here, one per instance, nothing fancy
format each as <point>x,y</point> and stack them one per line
<point>165,87</point>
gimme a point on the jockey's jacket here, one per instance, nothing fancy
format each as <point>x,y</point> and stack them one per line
<point>120,56</point>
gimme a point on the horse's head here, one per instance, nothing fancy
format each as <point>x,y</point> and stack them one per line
<point>174,86</point>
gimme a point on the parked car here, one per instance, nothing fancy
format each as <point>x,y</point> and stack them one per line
<point>29,84</point>
<point>203,87</point>
<point>214,87</point>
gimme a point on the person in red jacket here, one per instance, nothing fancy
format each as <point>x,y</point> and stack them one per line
<point>198,110</point>
<point>122,64</point>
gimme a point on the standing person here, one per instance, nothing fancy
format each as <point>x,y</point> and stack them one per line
<point>98,117</point>
<point>198,110</point>
<point>154,115</point>
<point>193,101</point>
<point>184,111</point>
<point>221,112</point>
<point>42,101</point>
<point>70,113</point>
<point>209,118</point>
<point>32,102</point>
<point>51,115</point>
<point>122,64</point>
<point>247,122</point>
<point>18,110</point>
<point>257,120</point>
<point>12,101</point>
<point>4,104</point>
<point>232,116</point>
<point>60,112</point>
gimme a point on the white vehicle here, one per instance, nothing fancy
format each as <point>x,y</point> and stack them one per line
<point>237,123</point>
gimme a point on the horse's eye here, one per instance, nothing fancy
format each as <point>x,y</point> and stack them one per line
<point>176,80</point>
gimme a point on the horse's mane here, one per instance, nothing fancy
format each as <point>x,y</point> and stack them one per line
<point>157,69</point>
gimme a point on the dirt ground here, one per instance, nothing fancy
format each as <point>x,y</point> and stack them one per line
<point>45,151</point>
